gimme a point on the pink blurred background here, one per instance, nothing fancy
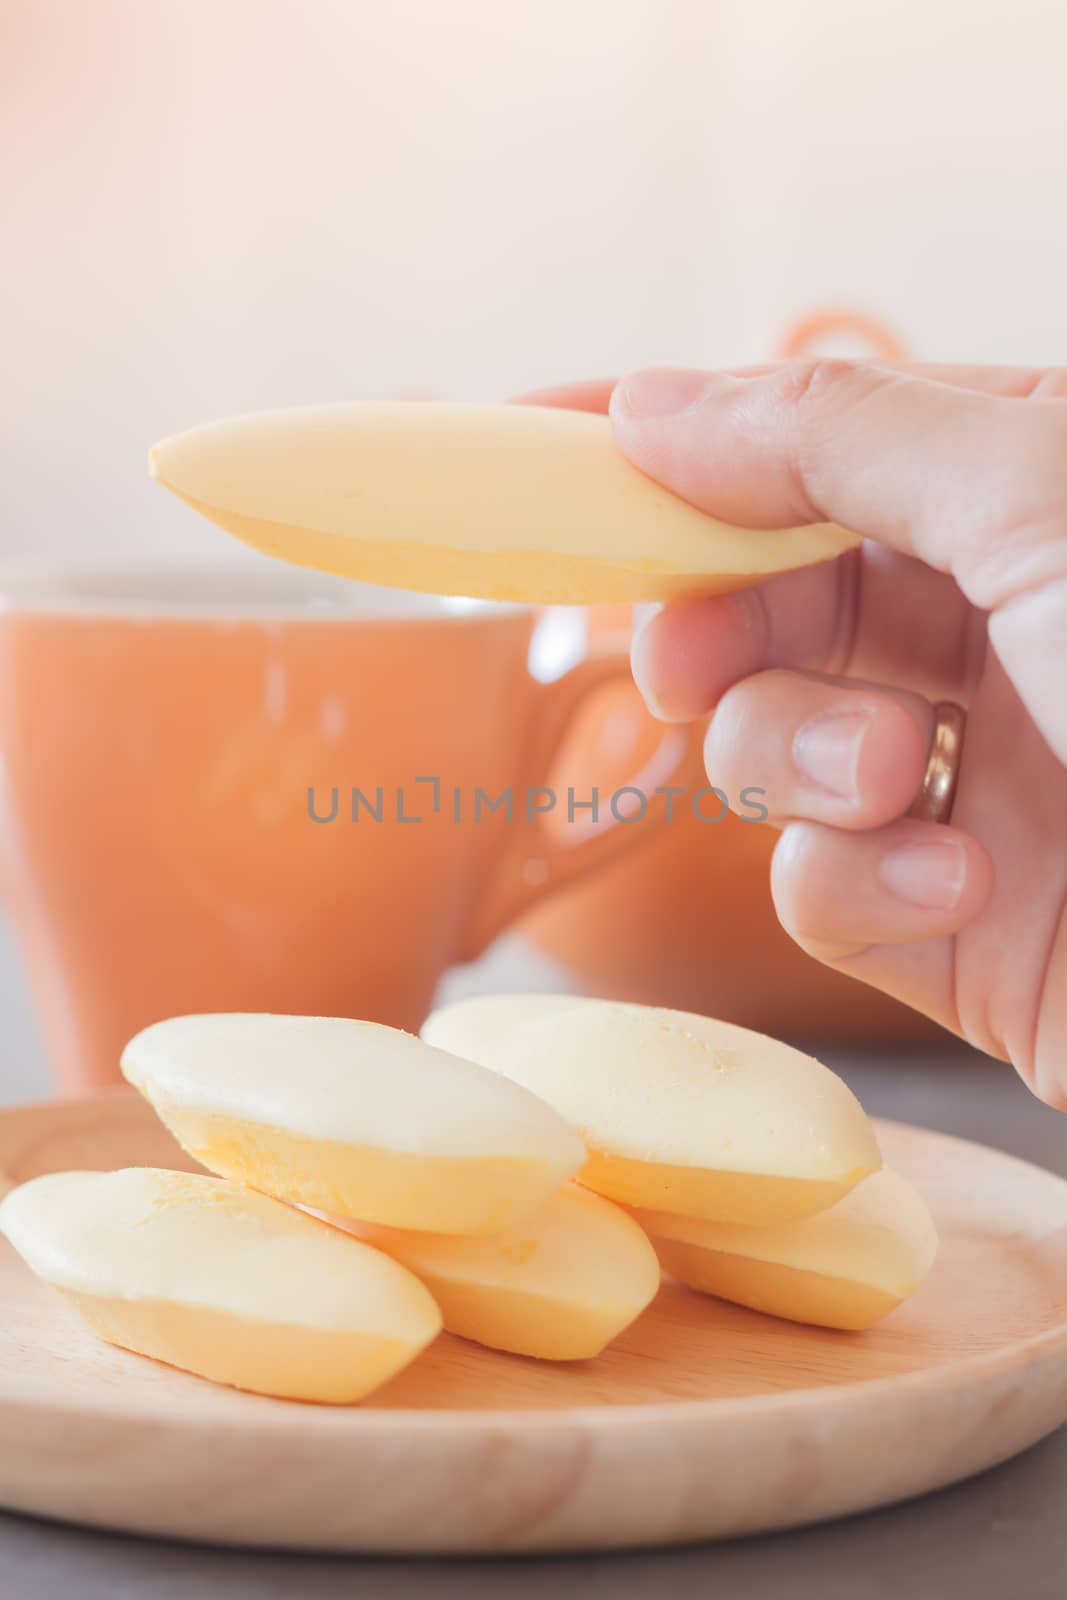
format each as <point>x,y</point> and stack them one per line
<point>228,205</point>
<point>232,204</point>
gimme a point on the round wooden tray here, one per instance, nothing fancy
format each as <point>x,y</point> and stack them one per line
<point>702,1421</point>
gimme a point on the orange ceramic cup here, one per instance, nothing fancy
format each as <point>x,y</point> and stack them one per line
<point>168,741</point>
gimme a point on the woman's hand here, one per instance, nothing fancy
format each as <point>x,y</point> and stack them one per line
<point>821,681</point>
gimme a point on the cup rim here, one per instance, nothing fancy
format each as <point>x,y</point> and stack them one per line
<point>276,592</point>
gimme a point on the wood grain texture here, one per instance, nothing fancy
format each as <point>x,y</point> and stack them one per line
<point>703,1420</point>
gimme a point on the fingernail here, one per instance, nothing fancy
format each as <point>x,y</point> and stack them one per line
<point>660,392</point>
<point>929,874</point>
<point>826,751</point>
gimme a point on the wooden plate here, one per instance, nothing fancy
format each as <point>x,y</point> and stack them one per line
<point>704,1420</point>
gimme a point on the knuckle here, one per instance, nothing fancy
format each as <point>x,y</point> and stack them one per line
<point>816,380</point>
<point>817,392</point>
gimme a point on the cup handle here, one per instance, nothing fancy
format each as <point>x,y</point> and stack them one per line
<point>535,865</point>
<point>807,331</point>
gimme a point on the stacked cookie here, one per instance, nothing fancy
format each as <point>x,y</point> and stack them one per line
<point>373,1187</point>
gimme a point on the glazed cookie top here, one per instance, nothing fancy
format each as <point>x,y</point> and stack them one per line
<point>669,1087</point>
<point>184,1238</point>
<point>360,1083</point>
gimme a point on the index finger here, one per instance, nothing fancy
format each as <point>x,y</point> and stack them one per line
<point>594,394</point>
<point>588,394</point>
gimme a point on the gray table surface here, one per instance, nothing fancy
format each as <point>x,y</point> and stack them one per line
<point>1002,1536</point>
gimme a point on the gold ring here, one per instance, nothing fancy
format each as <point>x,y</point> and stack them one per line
<point>933,803</point>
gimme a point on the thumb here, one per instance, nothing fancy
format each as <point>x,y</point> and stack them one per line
<point>973,484</point>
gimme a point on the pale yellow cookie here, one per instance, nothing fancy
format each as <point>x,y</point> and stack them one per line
<point>561,1284</point>
<point>353,1118</point>
<point>677,1112</point>
<point>503,502</point>
<point>221,1281</point>
<point>845,1268</point>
